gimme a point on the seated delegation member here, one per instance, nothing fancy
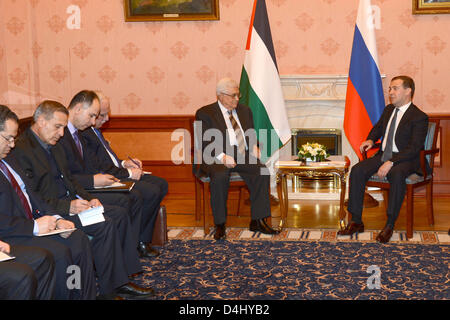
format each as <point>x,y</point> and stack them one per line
<point>29,276</point>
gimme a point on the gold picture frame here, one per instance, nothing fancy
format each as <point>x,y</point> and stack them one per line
<point>430,6</point>
<point>171,10</point>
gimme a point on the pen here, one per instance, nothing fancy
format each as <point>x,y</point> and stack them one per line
<point>136,163</point>
<point>78,197</point>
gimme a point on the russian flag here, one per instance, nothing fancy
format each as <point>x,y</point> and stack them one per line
<point>364,102</point>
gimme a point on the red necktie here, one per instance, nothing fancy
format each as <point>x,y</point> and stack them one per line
<point>16,188</point>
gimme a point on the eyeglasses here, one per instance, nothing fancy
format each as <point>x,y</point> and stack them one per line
<point>235,95</point>
<point>9,140</point>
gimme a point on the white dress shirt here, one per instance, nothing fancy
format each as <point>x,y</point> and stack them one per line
<point>230,130</point>
<point>400,114</point>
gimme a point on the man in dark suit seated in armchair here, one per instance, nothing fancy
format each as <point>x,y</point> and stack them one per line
<point>235,150</point>
<point>403,127</point>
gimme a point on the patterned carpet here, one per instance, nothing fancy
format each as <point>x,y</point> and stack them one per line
<point>315,269</point>
<point>292,234</point>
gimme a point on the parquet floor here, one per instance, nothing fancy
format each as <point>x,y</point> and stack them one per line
<point>320,214</point>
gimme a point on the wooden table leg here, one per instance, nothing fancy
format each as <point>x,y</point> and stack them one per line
<point>285,199</point>
<point>280,198</point>
<point>342,211</point>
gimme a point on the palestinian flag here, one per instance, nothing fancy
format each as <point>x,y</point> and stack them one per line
<point>260,85</point>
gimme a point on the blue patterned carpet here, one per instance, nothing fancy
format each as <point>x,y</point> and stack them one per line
<point>274,270</point>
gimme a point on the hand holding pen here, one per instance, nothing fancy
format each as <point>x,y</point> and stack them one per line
<point>135,163</point>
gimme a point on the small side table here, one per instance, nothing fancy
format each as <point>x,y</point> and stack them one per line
<point>337,166</point>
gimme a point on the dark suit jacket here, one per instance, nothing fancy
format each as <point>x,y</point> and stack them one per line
<point>409,137</point>
<point>33,160</point>
<point>13,218</point>
<point>82,171</point>
<point>95,147</point>
<point>211,117</point>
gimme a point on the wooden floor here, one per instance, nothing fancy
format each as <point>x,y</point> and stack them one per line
<point>315,214</point>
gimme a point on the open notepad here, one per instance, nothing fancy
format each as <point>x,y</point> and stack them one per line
<point>56,231</point>
<point>5,257</point>
<point>91,216</point>
<point>124,186</point>
<point>114,185</point>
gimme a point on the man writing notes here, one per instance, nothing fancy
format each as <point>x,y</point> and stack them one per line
<point>43,161</point>
<point>403,127</point>
<point>84,166</point>
<point>25,217</point>
<point>235,150</point>
<point>150,188</point>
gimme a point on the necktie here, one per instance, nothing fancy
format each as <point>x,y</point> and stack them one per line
<point>16,188</point>
<point>76,138</point>
<point>106,146</point>
<point>387,154</point>
<point>238,132</point>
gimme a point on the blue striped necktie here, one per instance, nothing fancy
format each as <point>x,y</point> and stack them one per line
<point>106,145</point>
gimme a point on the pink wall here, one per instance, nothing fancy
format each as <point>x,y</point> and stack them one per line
<point>172,67</point>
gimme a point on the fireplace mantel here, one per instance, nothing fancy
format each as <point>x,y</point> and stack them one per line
<point>317,101</point>
<point>314,87</point>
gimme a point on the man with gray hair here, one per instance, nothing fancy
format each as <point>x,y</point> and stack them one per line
<point>234,149</point>
<point>25,217</point>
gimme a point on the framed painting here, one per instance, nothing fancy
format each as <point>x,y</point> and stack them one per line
<point>171,10</point>
<point>430,6</point>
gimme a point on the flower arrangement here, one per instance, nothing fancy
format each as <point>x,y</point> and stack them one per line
<point>313,152</point>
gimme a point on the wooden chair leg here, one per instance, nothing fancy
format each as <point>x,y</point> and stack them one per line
<point>198,201</point>
<point>429,195</point>
<point>241,196</point>
<point>206,208</point>
<point>409,211</point>
<point>386,198</point>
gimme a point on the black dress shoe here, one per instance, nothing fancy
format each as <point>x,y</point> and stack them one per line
<point>134,292</point>
<point>145,251</point>
<point>385,235</point>
<point>220,232</point>
<point>260,225</point>
<point>351,228</point>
